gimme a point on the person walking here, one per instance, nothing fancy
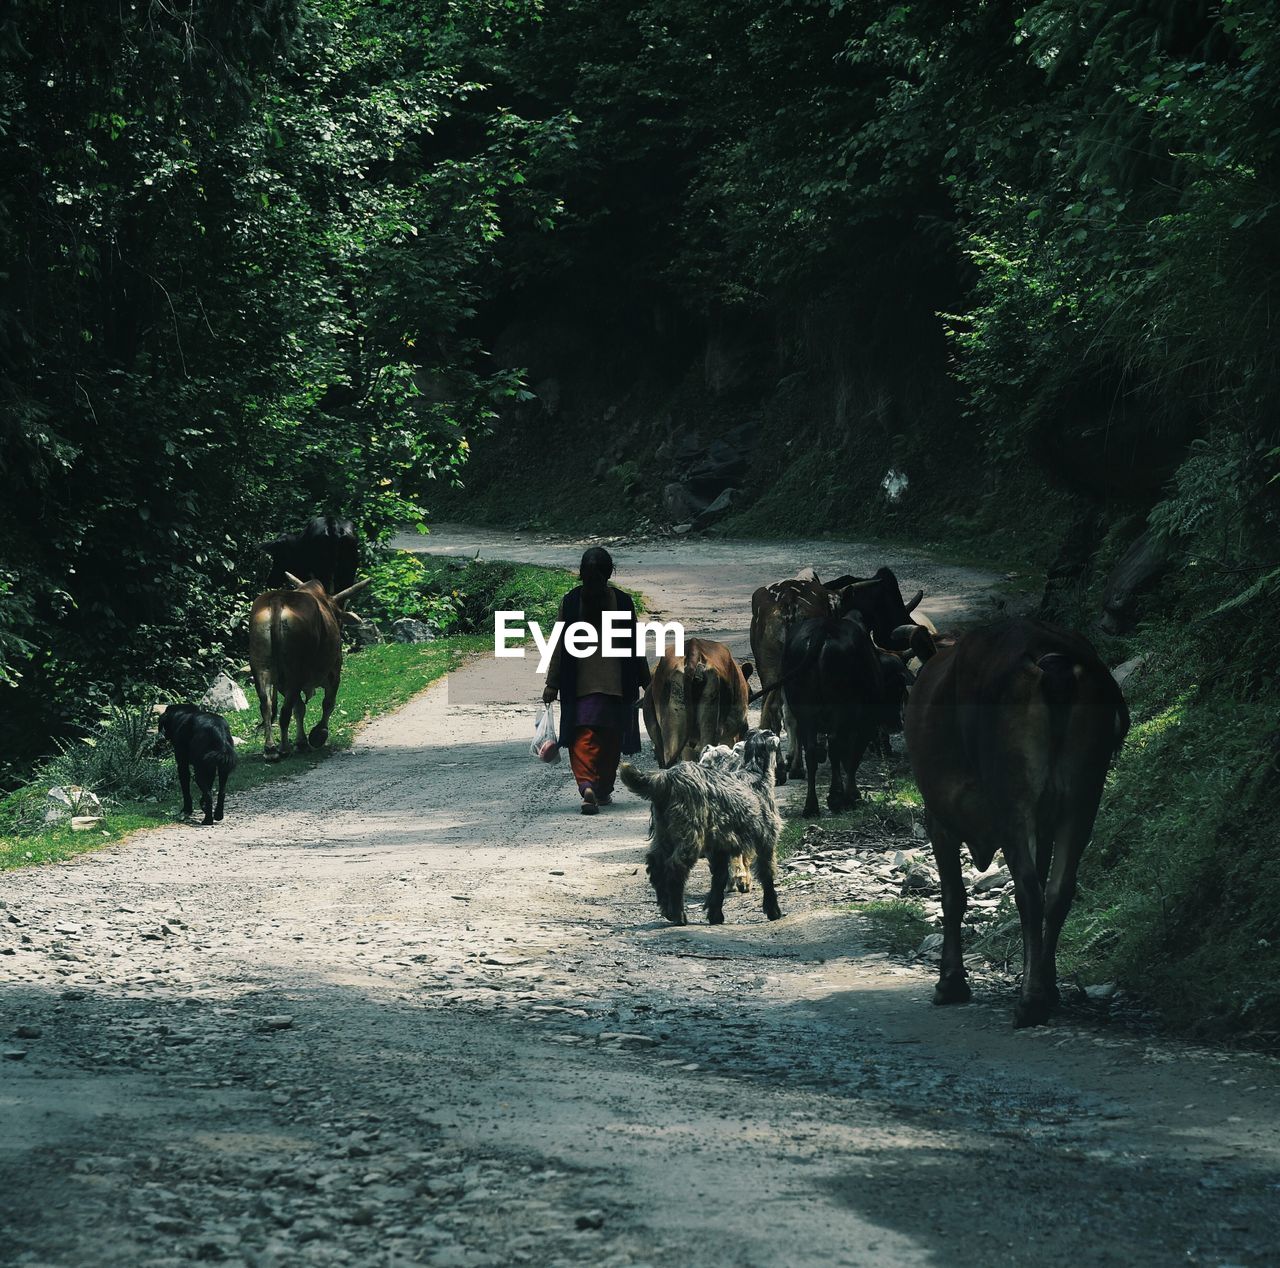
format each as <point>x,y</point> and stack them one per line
<point>599,694</point>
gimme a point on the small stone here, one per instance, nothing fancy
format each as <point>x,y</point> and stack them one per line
<point>992,880</point>
<point>1102,992</point>
<point>26,1032</point>
<point>280,1021</point>
<point>72,995</point>
<point>14,1054</point>
<point>931,942</point>
<point>626,1040</point>
<point>589,1219</point>
<point>85,823</point>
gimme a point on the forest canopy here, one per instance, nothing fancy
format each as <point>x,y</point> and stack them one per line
<point>257,256</point>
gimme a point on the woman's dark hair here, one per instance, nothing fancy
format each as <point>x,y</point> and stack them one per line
<point>595,570</point>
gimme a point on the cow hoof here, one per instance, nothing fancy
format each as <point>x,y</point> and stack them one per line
<point>772,911</point>
<point>217,816</point>
<point>207,821</point>
<point>715,917</point>
<point>319,736</point>
<point>270,755</point>
<point>1031,1012</point>
<point>779,777</point>
<point>952,990</point>
<point>810,811</point>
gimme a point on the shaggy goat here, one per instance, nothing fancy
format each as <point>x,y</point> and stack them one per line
<point>723,758</point>
<point>703,812</point>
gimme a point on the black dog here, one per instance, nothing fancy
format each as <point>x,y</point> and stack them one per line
<point>202,740</point>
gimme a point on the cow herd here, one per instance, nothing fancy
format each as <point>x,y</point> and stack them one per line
<point>1010,732</point>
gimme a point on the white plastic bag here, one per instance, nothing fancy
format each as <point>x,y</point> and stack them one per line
<point>544,746</point>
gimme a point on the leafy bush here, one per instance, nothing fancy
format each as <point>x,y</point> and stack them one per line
<point>117,759</point>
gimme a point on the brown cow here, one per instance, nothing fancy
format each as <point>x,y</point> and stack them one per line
<point>1010,734</point>
<point>694,700</point>
<point>295,646</point>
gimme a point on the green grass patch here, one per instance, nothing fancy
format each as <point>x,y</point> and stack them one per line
<point>895,923</point>
<point>1177,891</point>
<point>374,681</point>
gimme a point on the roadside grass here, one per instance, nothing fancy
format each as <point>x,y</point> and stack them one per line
<point>375,681</point>
<point>894,923</point>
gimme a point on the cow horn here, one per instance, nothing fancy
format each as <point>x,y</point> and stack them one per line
<point>900,637</point>
<point>350,590</point>
<point>295,582</point>
<point>862,585</point>
<point>919,594</point>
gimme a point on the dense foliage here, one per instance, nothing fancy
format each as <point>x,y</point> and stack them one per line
<point>242,243</point>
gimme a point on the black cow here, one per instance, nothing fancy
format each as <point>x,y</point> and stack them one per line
<point>202,740</point>
<point>838,684</point>
<point>878,600</point>
<point>1010,734</point>
<point>326,551</point>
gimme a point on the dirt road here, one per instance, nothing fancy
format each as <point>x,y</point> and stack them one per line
<point>409,1007</point>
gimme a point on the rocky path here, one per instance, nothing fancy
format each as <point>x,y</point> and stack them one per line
<point>408,1008</point>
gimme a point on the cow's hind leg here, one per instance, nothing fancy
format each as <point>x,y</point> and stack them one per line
<point>291,701</point>
<point>810,743</point>
<point>719,861</point>
<point>267,710</point>
<point>1035,1002</point>
<point>320,732</point>
<point>953,986</point>
<point>797,754</point>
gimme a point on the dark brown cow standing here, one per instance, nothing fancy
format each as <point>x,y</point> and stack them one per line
<point>295,646</point>
<point>774,609</point>
<point>1010,734</point>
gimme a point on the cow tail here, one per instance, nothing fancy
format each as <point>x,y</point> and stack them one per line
<point>277,647</point>
<point>695,683</point>
<point>1058,683</point>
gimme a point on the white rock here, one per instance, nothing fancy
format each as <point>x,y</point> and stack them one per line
<point>224,695</point>
<point>995,879</point>
<point>67,803</point>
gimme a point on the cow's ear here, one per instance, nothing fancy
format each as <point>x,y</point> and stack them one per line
<point>747,670</point>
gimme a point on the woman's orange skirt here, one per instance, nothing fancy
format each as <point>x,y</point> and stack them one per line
<point>594,754</point>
